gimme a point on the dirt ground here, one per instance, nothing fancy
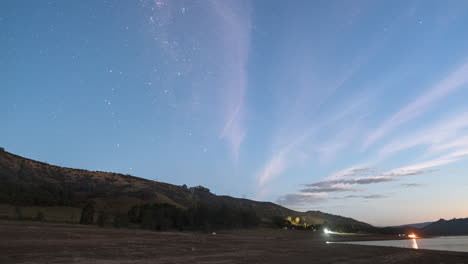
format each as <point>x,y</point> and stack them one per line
<point>34,242</point>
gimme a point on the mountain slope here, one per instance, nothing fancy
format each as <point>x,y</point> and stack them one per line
<point>454,227</point>
<point>416,225</point>
<point>27,182</point>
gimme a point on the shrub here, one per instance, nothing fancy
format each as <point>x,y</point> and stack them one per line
<point>87,215</point>
<point>40,216</point>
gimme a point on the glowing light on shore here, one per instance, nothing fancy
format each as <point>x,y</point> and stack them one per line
<point>412,235</point>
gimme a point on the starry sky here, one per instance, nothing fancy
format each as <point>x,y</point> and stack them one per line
<point>357,108</point>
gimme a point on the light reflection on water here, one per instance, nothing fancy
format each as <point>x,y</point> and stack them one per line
<point>454,243</point>
<point>414,244</point>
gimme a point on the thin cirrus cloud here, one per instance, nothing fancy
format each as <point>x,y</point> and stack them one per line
<point>279,162</point>
<point>316,98</point>
<point>412,185</point>
<point>370,196</point>
<point>358,181</point>
<point>274,167</point>
<point>297,199</point>
<point>283,158</point>
<point>447,138</point>
<point>446,134</point>
<point>420,168</point>
<point>451,83</point>
<point>428,165</point>
<point>216,60</point>
<point>358,174</point>
<point>330,149</point>
<point>300,200</point>
<point>354,171</point>
<point>347,182</point>
<point>326,189</point>
<point>234,18</point>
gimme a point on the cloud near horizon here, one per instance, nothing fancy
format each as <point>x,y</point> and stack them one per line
<point>326,190</point>
<point>443,142</point>
<point>455,80</point>
<point>371,196</point>
<point>297,200</point>
<point>355,181</point>
<point>347,182</point>
<point>413,185</point>
<point>283,158</point>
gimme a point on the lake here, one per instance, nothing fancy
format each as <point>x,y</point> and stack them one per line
<point>453,243</point>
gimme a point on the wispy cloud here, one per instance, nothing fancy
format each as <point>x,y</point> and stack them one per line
<point>358,181</point>
<point>326,190</point>
<point>303,100</point>
<point>324,140</point>
<point>370,196</point>
<point>304,201</point>
<point>428,165</point>
<point>412,185</point>
<point>331,148</point>
<point>347,181</point>
<point>273,168</point>
<point>449,84</point>
<point>215,58</point>
<point>343,181</point>
<point>300,200</point>
<point>282,159</point>
<point>446,134</point>
<point>446,138</point>
<point>236,27</point>
<point>354,171</point>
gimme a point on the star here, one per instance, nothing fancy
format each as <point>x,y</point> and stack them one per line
<point>159,4</point>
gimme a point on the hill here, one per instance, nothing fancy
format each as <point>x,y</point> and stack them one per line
<point>416,225</point>
<point>454,227</point>
<point>26,184</point>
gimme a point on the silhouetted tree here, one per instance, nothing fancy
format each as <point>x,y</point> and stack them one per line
<point>87,214</point>
<point>39,216</point>
<point>121,220</point>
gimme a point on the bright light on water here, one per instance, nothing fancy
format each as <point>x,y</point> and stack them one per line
<point>414,244</point>
<point>454,243</point>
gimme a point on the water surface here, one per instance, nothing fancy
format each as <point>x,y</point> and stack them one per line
<point>453,243</point>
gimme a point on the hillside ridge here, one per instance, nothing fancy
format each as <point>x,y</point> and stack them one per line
<point>452,227</point>
<point>29,182</point>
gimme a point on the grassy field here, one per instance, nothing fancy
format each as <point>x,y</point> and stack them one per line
<point>36,242</point>
<point>46,213</point>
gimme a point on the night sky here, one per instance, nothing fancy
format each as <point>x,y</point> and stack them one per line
<point>357,108</point>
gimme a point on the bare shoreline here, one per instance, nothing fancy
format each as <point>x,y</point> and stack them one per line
<point>35,242</point>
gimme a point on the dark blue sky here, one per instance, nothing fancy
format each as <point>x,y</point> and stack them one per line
<point>350,107</point>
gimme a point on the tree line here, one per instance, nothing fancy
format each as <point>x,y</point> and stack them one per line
<point>169,217</point>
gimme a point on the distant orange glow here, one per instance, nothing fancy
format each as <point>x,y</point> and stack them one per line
<point>412,235</point>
